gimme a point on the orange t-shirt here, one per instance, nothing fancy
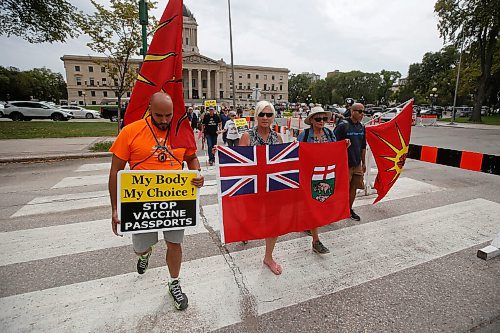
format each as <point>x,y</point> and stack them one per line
<point>137,145</point>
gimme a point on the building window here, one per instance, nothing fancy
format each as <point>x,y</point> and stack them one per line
<point>203,83</point>
<point>128,93</point>
<point>116,82</point>
<point>240,97</point>
<point>80,93</point>
<point>91,69</point>
<point>91,81</point>
<point>92,93</point>
<point>265,86</point>
<point>281,77</point>
<point>272,87</point>
<point>265,77</point>
<point>80,102</point>
<point>78,81</point>
<point>104,81</point>
<point>240,75</point>
<point>272,78</point>
<point>257,85</point>
<point>220,85</point>
<point>248,85</point>
<point>103,69</point>
<point>281,87</point>
<point>221,94</point>
<point>249,96</point>
<point>240,86</point>
<point>116,93</point>
<point>193,84</point>
<point>248,76</point>
<point>77,68</point>
<point>280,97</point>
<point>94,103</point>
<point>256,76</point>
<point>105,94</point>
<point>187,41</point>
<point>272,96</point>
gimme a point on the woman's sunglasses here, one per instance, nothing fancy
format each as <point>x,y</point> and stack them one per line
<point>321,119</point>
<point>265,114</point>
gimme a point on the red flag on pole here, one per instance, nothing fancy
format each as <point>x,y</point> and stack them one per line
<point>162,70</point>
<point>267,191</point>
<point>389,143</point>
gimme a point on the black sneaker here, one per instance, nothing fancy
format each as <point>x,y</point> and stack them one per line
<point>355,216</point>
<point>143,261</point>
<point>318,247</point>
<point>180,299</point>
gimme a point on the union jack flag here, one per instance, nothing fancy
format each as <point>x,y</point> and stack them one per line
<point>258,169</point>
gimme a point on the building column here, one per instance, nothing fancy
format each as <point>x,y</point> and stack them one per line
<point>200,92</point>
<point>190,84</point>
<point>217,94</point>
<point>209,88</point>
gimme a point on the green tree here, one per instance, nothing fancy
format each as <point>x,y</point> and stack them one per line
<point>472,22</point>
<point>355,84</point>
<point>39,21</point>
<point>387,80</point>
<point>299,86</point>
<point>116,33</point>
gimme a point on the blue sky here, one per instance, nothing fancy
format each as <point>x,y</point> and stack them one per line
<point>302,35</point>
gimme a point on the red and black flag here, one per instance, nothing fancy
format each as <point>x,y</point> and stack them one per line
<point>162,70</point>
<point>389,143</point>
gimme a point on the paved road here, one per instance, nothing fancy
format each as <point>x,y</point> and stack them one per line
<point>410,265</point>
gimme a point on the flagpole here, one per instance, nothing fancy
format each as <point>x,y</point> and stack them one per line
<point>231,46</point>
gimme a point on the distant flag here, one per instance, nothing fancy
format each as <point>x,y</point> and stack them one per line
<point>162,70</point>
<point>389,143</point>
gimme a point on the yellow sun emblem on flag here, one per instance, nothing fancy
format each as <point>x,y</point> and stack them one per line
<point>400,155</point>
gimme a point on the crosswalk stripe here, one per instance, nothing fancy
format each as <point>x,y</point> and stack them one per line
<point>66,239</point>
<point>82,181</point>
<point>123,302</point>
<point>67,202</point>
<point>94,167</point>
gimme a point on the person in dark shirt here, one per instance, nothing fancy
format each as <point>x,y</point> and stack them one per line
<point>354,130</point>
<point>224,117</point>
<point>211,126</point>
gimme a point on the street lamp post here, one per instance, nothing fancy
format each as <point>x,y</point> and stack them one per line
<point>231,46</point>
<point>433,96</point>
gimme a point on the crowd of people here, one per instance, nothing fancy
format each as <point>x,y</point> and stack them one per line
<point>144,145</point>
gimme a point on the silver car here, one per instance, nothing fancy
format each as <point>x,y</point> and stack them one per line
<point>27,110</point>
<point>79,112</point>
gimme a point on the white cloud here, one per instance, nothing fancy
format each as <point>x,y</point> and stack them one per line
<point>314,36</point>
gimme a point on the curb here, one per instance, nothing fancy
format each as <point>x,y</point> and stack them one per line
<point>54,157</point>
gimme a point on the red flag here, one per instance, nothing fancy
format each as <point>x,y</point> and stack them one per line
<point>162,70</point>
<point>389,143</point>
<point>268,191</point>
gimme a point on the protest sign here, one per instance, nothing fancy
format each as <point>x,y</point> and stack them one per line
<point>210,102</point>
<point>153,200</point>
<point>241,124</point>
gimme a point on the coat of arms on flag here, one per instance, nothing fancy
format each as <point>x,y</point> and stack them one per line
<point>267,191</point>
<point>323,182</point>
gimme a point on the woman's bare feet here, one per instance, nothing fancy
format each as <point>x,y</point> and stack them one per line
<point>273,266</point>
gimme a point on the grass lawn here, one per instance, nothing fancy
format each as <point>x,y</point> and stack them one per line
<point>54,129</point>
<point>488,120</point>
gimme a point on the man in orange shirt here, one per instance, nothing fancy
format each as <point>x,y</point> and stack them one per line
<point>144,145</point>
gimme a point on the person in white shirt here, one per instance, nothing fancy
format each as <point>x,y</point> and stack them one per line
<point>233,138</point>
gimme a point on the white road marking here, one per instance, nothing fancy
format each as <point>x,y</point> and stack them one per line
<point>360,254</point>
<point>94,167</point>
<point>82,181</point>
<point>403,188</point>
<point>65,202</point>
<point>66,239</point>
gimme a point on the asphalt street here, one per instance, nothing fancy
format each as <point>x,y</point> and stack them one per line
<point>409,265</point>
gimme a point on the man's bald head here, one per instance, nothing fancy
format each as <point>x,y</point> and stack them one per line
<point>161,108</point>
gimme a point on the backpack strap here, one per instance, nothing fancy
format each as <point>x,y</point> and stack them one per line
<point>306,135</point>
<point>329,133</point>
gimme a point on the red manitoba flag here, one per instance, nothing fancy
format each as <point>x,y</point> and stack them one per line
<point>267,191</point>
<point>162,70</point>
<point>389,143</point>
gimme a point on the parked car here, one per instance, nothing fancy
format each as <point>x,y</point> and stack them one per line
<point>26,110</point>
<point>431,112</point>
<point>79,112</point>
<point>388,116</point>
<point>2,107</point>
<point>111,112</point>
<point>374,109</point>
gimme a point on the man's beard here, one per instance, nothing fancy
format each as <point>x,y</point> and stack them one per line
<point>161,126</point>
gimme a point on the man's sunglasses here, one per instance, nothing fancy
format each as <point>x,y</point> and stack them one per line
<point>265,114</point>
<point>360,111</point>
<point>321,119</point>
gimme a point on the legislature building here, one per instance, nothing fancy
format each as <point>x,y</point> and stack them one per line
<point>203,78</point>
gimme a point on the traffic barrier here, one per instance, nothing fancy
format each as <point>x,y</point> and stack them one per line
<point>455,158</point>
<point>427,120</point>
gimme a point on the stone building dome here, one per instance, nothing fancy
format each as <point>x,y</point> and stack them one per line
<point>186,12</point>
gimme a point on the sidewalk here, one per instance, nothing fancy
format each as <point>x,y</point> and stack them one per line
<point>467,125</point>
<point>33,150</point>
